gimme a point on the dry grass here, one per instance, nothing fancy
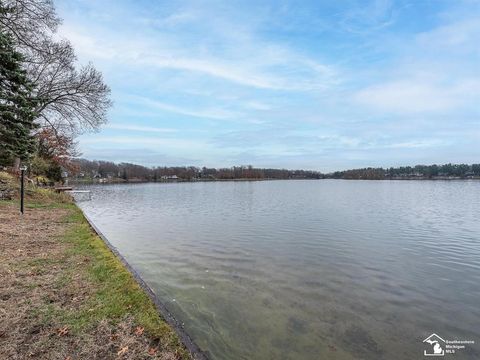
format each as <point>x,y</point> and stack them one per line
<point>64,295</point>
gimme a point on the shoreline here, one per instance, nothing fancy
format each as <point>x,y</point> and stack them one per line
<point>120,181</point>
<point>67,293</point>
<point>88,183</point>
<point>186,340</point>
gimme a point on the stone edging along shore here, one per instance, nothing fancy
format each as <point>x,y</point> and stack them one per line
<point>187,341</point>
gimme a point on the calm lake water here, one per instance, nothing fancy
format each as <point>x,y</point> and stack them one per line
<point>325,269</point>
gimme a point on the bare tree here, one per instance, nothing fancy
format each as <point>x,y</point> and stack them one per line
<point>70,101</point>
<point>29,21</point>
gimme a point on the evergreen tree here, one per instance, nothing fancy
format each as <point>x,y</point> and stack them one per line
<point>17,113</point>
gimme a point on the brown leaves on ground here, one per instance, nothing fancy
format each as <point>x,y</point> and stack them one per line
<point>40,278</point>
<point>63,331</point>
<point>122,351</point>
<point>139,330</point>
<point>152,351</point>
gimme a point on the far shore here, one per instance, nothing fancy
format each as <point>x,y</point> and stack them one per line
<point>141,181</point>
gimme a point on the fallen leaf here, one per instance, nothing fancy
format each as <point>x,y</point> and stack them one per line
<point>122,351</point>
<point>152,351</point>
<point>139,330</point>
<point>62,331</point>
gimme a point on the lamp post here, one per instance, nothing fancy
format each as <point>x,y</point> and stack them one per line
<point>22,187</point>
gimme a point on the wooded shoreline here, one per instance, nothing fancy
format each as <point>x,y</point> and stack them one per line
<point>134,181</point>
<point>106,171</point>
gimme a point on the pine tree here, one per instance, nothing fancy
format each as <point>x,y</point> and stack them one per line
<point>17,113</point>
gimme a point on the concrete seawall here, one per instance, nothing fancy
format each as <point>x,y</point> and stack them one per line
<point>187,341</point>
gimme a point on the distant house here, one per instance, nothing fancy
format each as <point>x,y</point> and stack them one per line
<point>169,177</point>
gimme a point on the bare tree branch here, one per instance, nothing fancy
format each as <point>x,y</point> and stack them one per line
<point>70,100</point>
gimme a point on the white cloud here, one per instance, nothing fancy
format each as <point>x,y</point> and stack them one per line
<point>207,113</point>
<point>182,144</point>
<point>405,97</point>
<point>172,20</point>
<point>435,72</point>
<point>369,17</point>
<point>218,69</point>
<point>139,128</point>
<point>251,63</point>
<point>257,105</point>
<point>418,144</point>
<point>419,95</point>
<point>464,33</point>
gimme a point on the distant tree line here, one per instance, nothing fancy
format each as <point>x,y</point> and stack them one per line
<point>418,171</point>
<point>88,169</point>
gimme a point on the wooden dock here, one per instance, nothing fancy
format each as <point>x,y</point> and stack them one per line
<point>73,192</point>
<point>70,190</point>
<point>63,188</point>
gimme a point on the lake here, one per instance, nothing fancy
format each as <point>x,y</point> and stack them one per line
<point>326,269</point>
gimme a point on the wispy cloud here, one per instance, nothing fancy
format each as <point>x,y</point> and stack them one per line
<point>257,105</point>
<point>418,96</point>
<point>459,34</point>
<point>139,128</point>
<point>177,143</point>
<point>207,113</point>
<point>417,144</point>
<point>365,18</point>
<point>263,65</point>
<point>436,72</point>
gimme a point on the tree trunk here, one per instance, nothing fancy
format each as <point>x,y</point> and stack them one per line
<point>16,165</point>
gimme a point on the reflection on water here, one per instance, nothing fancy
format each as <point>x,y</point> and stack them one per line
<point>325,269</point>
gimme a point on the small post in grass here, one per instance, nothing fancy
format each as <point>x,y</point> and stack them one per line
<point>22,187</point>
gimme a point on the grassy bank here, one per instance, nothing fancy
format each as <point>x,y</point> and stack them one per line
<point>64,295</point>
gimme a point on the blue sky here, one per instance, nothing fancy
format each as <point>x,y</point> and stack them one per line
<point>322,85</point>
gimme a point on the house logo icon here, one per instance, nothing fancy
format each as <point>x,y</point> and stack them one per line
<point>437,346</point>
